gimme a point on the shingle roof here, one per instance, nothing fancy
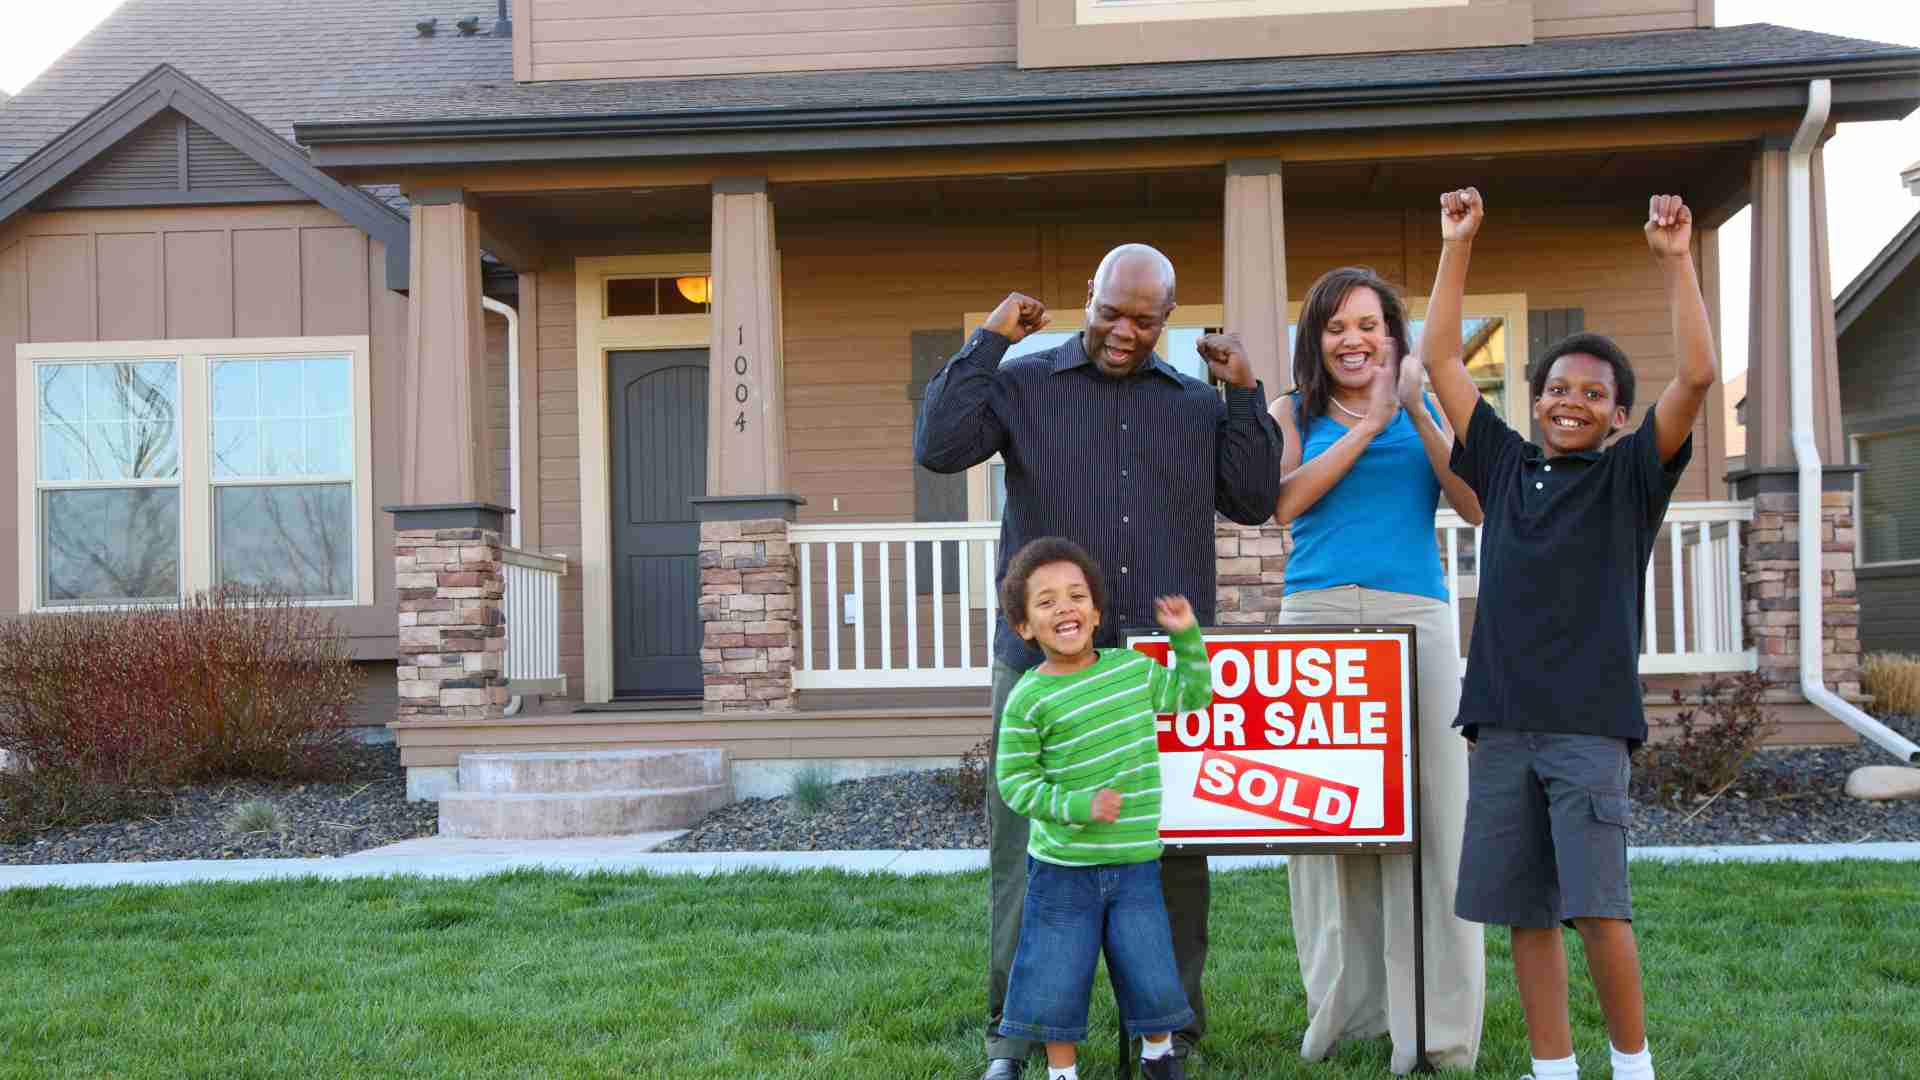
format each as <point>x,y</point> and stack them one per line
<point>1723,48</point>
<point>277,60</point>
<point>1866,287</point>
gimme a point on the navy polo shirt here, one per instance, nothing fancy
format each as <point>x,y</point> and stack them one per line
<point>1564,552</point>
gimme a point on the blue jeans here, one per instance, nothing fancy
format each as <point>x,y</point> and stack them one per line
<point>1071,914</point>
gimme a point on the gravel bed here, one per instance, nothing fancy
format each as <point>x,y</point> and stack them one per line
<point>320,819</point>
<point>1784,796</point>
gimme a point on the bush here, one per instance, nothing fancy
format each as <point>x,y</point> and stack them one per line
<point>968,783</point>
<point>105,712</point>
<point>255,816</point>
<point>1894,682</point>
<point>1712,740</point>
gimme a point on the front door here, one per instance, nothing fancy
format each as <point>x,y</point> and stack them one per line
<point>658,402</point>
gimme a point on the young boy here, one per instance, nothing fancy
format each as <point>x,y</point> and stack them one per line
<point>1551,701</point>
<point>1079,755</point>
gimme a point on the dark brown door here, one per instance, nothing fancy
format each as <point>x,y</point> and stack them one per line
<point>658,402</point>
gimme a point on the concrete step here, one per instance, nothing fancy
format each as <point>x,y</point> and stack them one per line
<point>527,815</point>
<point>559,771</point>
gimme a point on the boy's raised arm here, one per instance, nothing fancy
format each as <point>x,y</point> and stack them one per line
<point>1440,349</point>
<point>1670,236</point>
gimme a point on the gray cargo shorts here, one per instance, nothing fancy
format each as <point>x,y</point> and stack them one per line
<point>1546,834</point>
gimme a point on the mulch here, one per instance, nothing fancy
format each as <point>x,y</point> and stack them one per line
<point>369,809</point>
<point>1783,796</point>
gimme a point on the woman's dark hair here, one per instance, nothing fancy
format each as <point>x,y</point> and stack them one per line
<point>1597,345</point>
<point>1312,385</point>
<point>1038,553</point>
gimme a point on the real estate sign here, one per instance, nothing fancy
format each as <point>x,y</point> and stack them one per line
<point>1309,744</point>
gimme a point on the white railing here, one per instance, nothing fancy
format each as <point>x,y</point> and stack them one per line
<point>532,606</point>
<point>877,608</point>
<point>913,605</point>
<point>1693,600</point>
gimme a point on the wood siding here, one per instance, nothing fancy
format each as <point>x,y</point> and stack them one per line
<point>1880,390</point>
<point>615,39</point>
<point>618,39</point>
<point>208,272</point>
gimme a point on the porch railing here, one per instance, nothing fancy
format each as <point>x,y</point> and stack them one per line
<point>895,605</point>
<point>912,604</point>
<point>532,606</point>
<point>1693,598</point>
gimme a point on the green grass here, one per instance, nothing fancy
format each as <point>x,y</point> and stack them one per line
<point>1801,971</point>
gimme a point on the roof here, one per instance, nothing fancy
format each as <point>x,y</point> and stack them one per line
<point>277,62</point>
<point>1885,269</point>
<point>1911,177</point>
<point>166,90</point>
<point>1723,49</point>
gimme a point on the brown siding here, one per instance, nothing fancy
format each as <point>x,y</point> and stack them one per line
<point>556,482</point>
<point>606,39</point>
<point>208,272</point>
<point>1568,18</point>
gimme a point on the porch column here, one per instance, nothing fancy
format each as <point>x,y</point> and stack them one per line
<point>748,590</point>
<point>746,392</point>
<point>1256,269</point>
<point>1251,561</point>
<point>1773,567</point>
<point>447,537</point>
<point>444,448</point>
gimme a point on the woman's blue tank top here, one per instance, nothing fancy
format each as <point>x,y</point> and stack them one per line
<point>1375,527</point>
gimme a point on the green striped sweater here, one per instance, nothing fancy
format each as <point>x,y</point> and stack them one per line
<point>1064,737</point>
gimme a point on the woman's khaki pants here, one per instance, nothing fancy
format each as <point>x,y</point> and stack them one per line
<point>1353,914</point>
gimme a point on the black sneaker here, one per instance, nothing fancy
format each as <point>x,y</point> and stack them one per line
<point>1165,1068</point>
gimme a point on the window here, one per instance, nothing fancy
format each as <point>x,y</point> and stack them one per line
<point>157,469</point>
<point>658,295</point>
<point>108,481</point>
<point>1889,496</point>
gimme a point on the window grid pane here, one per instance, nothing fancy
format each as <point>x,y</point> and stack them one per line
<point>281,418</point>
<point>1890,497</point>
<point>109,545</point>
<point>108,421</point>
<point>293,538</point>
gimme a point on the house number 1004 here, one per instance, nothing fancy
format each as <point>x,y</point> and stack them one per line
<point>740,391</point>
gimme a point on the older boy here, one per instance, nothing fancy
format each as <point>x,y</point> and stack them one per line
<point>1552,694</point>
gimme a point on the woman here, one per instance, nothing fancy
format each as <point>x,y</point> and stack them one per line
<point>1363,467</point>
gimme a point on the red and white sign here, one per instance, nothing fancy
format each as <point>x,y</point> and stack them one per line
<point>1308,741</point>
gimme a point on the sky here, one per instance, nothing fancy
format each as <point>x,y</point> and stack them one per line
<point>1866,203</point>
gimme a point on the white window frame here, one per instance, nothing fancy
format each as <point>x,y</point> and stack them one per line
<point>194,424</point>
<point>1859,519</point>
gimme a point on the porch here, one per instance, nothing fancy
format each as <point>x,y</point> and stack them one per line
<point>715,412</point>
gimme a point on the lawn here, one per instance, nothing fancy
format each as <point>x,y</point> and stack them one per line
<point>1778,970</point>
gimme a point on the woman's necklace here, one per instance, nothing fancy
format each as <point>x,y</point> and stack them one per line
<point>1344,409</point>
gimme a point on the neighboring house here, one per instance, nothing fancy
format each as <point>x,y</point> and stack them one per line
<point>1735,392</point>
<point>1877,319</point>
<point>736,259</point>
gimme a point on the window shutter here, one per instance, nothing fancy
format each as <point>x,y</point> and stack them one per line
<point>936,496</point>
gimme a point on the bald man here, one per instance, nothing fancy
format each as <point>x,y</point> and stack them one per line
<point>1109,446</point>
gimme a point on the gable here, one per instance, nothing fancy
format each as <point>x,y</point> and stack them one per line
<point>170,161</point>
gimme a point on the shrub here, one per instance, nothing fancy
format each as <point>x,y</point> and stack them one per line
<point>1894,682</point>
<point>255,816</point>
<point>106,711</point>
<point>968,782</point>
<point>1712,740</point>
<point>812,788</point>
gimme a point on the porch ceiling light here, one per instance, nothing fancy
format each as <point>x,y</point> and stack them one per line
<point>695,289</point>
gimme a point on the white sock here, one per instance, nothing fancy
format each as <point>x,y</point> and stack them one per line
<point>1636,1066</point>
<point>1565,1068</point>
<point>1154,1051</point>
<point>1063,1072</point>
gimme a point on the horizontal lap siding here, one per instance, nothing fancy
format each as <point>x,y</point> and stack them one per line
<point>1568,18</point>
<point>557,485</point>
<point>610,39</point>
<point>206,272</point>
<point>1880,386</point>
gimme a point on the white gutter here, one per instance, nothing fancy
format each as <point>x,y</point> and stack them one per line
<point>513,410</point>
<point>1806,449</point>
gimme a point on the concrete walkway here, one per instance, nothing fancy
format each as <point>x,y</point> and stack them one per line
<point>447,857</point>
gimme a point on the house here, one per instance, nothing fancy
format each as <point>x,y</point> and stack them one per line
<point>1877,325</point>
<point>735,247</point>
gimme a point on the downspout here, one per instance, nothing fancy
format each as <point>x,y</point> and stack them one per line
<point>513,409</point>
<point>515,703</point>
<point>1806,448</point>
